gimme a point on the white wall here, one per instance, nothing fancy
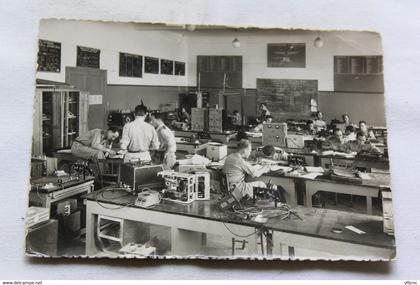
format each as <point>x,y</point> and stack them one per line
<point>112,38</point>
<point>253,49</point>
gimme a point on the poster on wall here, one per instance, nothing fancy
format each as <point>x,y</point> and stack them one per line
<point>166,67</point>
<point>49,56</point>
<point>179,68</point>
<point>286,55</point>
<point>151,65</point>
<point>88,57</point>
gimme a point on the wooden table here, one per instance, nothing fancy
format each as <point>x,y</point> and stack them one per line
<point>190,223</point>
<point>368,188</point>
<point>380,163</point>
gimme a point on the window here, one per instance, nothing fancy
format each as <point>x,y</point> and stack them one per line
<point>131,65</point>
<point>49,56</point>
<point>88,57</point>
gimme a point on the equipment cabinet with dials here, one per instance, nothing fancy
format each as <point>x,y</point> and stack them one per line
<point>60,115</point>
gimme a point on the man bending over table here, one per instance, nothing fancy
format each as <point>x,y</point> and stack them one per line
<point>237,170</point>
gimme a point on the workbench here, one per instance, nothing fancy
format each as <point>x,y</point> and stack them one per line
<point>291,238</point>
<point>360,162</point>
<point>45,197</point>
<point>367,188</point>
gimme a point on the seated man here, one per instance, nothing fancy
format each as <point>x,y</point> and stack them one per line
<point>335,142</point>
<point>237,119</point>
<point>350,134</point>
<point>364,129</point>
<point>310,128</point>
<point>95,144</point>
<point>362,145</point>
<point>237,169</point>
<point>319,123</point>
<point>268,152</point>
<point>259,128</point>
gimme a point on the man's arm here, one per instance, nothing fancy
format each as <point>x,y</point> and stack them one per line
<point>125,140</point>
<point>255,171</point>
<point>96,141</point>
<point>155,141</point>
<point>169,139</point>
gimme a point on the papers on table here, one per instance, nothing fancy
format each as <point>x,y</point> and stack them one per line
<point>364,175</point>
<point>317,169</point>
<point>311,175</point>
<point>279,167</point>
<point>117,156</point>
<point>354,229</point>
<point>338,153</point>
<point>254,134</point>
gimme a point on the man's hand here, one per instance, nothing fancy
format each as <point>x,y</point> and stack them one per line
<point>111,152</point>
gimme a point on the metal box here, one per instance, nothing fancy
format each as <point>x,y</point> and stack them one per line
<point>179,187</point>
<point>202,185</point>
<point>138,178</point>
<point>216,151</point>
<point>275,134</point>
<point>199,119</point>
<point>216,120</point>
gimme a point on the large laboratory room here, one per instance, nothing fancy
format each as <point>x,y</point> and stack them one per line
<point>189,141</point>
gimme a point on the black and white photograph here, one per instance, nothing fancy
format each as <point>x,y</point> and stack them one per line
<point>238,156</point>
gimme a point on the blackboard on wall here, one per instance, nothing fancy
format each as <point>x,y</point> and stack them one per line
<point>287,98</point>
<point>166,67</point>
<point>88,57</point>
<point>49,56</point>
<point>151,65</point>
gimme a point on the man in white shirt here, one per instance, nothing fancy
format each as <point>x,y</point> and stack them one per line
<point>138,137</point>
<point>166,137</point>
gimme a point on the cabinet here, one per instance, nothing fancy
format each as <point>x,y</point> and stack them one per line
<point>60,115</point>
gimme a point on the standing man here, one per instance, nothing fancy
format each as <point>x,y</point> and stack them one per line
<point>95,144</point>
<point>237,170</point>
<point>138,137</point>
<point>319,122</point>
<point>166,137</point>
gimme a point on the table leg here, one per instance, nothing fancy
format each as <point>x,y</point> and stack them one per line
<point>90,246</point>
<point>253,244</point>
<point>308,198</point>
<point>369,205</point>
<point>185,242</point>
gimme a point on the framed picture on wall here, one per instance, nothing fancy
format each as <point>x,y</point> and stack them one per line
<point>286,55</point>
<point>49,56</point>
<point>179,68</point>
<point>88,57</point>
<point>166,67</point>
<point>151,65</point>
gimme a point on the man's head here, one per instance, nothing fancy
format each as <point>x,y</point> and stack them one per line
<point>268,119</point>
<point>338,134</point>
<point>346,118</point>
<point>363,126</point>
<point>112,134</point>
<point>244,148</point>
<point>268,150</point>
<point>235,112</point>
<point>156,119</point>
<point>350,129</point>
<point>310,124</point>
<point>140,110</point>
<point>263,106</point>
<point>319,115</point>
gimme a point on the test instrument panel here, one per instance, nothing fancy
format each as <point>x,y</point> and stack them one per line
<point>185,187</point>
<point>275,134</point>
<point>199,119</point>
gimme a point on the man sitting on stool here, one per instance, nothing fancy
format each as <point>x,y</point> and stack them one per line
<point>237,169</point>
<point>95,144</point>
<point>138,137</point>
<point>167,148</point>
